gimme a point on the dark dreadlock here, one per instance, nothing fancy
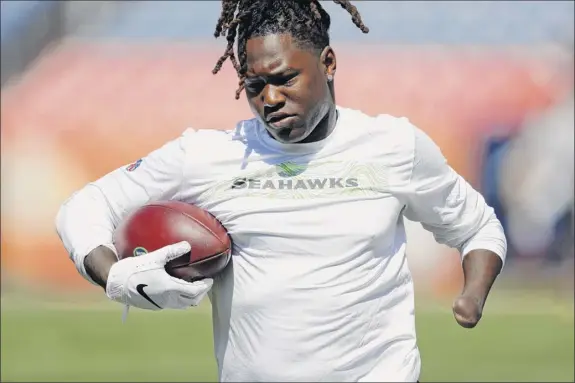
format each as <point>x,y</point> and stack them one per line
<point>305,20</point>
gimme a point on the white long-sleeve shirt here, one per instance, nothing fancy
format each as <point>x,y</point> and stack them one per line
<point>318,288</point>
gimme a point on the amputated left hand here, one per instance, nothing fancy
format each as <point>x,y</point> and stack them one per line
<point>480,269</point>
<point>467,310</point>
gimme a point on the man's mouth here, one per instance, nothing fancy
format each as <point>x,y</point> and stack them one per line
<point>280,120</point>
<point>276,117</point>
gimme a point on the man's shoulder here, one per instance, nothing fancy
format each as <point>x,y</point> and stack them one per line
<point>242,130</point>
<point>218,142</point>
<point>386,131</point>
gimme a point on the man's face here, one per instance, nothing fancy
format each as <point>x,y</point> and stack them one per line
<point>287,87</point>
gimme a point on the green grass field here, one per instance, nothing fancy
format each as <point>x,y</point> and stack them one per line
<point>523,339</point>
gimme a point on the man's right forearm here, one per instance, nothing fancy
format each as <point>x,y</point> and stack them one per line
<point>98,263</point>
<point>85,224</point>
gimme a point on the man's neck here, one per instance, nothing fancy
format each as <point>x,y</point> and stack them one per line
<point>324,128</point>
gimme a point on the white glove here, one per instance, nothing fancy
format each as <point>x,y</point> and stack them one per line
<point>143,282</point>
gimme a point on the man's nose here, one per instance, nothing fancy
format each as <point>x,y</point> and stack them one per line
<point>272,98</point>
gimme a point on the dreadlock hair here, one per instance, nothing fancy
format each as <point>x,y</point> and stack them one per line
<point>305,20</point>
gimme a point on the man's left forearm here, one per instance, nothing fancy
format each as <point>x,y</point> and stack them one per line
<point>480,269</point>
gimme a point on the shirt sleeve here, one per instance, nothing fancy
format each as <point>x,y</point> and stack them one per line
<point>88,218</point>
<point>447,205</point>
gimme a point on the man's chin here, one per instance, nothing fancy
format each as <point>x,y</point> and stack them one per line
<point>290,135</point>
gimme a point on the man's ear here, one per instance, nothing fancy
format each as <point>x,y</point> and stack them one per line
<point>328,62</point>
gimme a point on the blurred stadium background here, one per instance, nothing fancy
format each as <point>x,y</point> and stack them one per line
<point>89,86</point>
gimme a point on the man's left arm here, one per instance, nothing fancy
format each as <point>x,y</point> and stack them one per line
<point>459,217</point>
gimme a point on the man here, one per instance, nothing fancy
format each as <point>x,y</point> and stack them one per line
<point>313,196</point>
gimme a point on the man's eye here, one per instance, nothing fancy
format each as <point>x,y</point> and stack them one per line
<point>288,80</point>
<point>291,81</point>
<point>254,87</point>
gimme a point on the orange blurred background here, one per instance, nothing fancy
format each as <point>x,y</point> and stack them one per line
<point>84,109</point>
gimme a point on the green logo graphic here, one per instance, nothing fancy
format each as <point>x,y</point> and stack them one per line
<point>140,251</point>
<point>290,169</point>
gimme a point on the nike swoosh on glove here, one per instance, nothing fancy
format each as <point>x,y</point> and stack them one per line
<point>143,282</point>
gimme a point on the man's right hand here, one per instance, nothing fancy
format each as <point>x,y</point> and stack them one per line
<point>144,283</point>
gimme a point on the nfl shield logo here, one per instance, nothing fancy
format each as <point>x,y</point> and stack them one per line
<point>140,251</point>
<point>134,166</point>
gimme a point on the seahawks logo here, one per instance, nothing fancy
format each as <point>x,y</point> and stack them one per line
<point>290,169</point>
<point>140,251</point>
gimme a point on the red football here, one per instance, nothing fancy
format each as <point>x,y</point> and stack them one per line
<point>159,224</point>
